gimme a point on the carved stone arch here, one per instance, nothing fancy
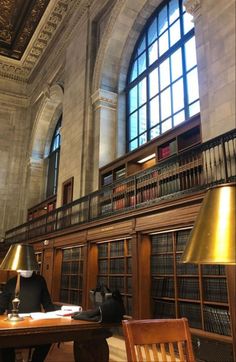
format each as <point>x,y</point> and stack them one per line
<point>45,121</point>
<point>122,31</point>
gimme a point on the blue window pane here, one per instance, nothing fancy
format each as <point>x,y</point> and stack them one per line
<point>178,95</point>
<point>141,63</point>
<point>165,104</point>
<point>152,32</point>
<point>153,83</point>
<point>142,46</point>
<point>154,111</point>
<point>175,33</point>
<point>192,82</point>
<point>190,53</point>
<point>162,21</point>
<point>134,71</point>
<point>194,108</point>
<point>152,53</point>
<point>133,145</point>
<point>173,10</point>
<point>143,139</point>
<point>176,65</point>
<point>163,43</point>
<point>165,73</point>
<point>142,92</point>
<point>133,131</point>
<point>133,99</point>
<point>188,22</point>
<point>155,132</point>
<point>179,118</point>
<point>142,119</point>
<point>166,125</point>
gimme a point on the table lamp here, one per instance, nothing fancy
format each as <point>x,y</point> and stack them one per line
<point>212,239</point>
<point>19,257</point>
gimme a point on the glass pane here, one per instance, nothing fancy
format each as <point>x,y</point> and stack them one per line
<point>153,83</point>
<point>179,118</point>
<point>174,33</point>
<point>143,139</point>
<point>152,53</point>
<point>163,43</point>
<point>192,83</point>
<point>133,125</point>
<point>154,111</point>
<point>190,53</point>
<point>165,104</point>
<point>142,92</point>
<point>173,10</point>
<point>155,132</point>
<point>176,65</point>
<point>165,73</point>
<point>141,63</point>
<point>194,108</point>
<point>134,71</point>
<point>152,32</point>
<point>178,95</point>
<point>142,119</point>
<point>162,20</point>
<point>188,22</point>
<point>133,99</point>
<point>142,46</point>
<point>166,125</point>
<point>133,145</point>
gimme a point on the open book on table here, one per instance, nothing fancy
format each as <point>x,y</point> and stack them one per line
<point>66,310</point>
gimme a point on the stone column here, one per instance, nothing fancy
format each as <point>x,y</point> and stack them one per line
<point>105,132</point>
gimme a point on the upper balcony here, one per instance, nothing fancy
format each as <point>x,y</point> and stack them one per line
<point>186,172</point>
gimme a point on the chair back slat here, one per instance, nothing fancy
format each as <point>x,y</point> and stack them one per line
<point>158,340</point>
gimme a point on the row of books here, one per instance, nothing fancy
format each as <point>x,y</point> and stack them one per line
<point>162,243</point>
<point>217,320</point>
<point>192,311</point>
<point>75,267</point>
<point>215,289</point>
<point>74,253</point>
<point>163,287</point>
<point>163,309</point>
<point>71,282</point>
<point>162,264</point>
<point>188,288</point>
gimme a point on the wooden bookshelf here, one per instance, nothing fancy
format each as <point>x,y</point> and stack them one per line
<point>42,208</point>
<point>198,293</point>
<point>71,286</point>
<point>115,268</point>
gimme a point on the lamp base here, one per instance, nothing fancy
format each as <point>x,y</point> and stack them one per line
<point>14,318</point>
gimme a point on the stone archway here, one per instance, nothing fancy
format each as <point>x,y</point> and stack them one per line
<point>42,132</point>
<point>122,31</point>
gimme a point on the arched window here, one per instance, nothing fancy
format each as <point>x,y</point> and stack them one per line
<point>53,161</point>
<point>162,83</point>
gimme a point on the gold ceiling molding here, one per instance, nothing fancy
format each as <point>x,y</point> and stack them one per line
<point>54,15</point>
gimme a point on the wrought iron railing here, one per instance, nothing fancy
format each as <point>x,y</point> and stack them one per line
<point>200,167</point>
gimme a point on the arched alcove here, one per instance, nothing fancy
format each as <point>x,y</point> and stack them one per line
<point>48,113</point>
<point>122,31</point>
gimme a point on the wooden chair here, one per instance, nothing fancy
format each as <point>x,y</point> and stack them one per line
<point>159,340</point>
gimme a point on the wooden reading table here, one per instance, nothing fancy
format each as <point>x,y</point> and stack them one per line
<point>89,337</point>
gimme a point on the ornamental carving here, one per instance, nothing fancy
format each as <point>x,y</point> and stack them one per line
<point>193,7</point>
<point>21,67</point>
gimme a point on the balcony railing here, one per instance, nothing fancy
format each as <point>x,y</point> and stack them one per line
<point>205,165</point>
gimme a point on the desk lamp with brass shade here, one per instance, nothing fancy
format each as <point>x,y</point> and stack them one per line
<point>19,257</point>
<point>212,239</point>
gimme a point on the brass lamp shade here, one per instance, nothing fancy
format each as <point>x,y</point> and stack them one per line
<point>20,257</point>
<point>212,240</point>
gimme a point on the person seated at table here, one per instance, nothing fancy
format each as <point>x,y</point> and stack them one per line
<point>34,296</point>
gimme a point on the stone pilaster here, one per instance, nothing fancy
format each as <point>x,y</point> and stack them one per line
<point>105,108</point>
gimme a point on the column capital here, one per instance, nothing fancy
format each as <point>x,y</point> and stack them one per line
<point>193,7</point>
<point>104,98</point>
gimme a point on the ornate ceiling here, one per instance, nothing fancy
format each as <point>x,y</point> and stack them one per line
<point>27,28</point>
<point>18,21</point>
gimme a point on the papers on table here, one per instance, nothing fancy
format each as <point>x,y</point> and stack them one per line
<point>66,310</point>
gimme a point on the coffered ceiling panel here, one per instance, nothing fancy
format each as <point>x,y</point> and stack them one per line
<point>18,21</point>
